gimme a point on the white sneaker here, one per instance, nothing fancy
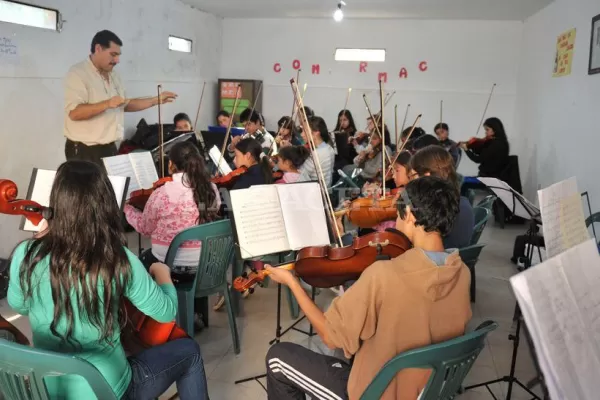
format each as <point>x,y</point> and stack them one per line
<point>219,303</point>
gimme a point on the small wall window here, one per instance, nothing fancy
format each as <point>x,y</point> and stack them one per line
<point>25,14</point>
<point>180,44</point>
<point>377,55</point>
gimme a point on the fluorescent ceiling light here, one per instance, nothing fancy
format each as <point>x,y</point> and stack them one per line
<point>360,55</point>
<point>180,44</point>
<point>25,14</point>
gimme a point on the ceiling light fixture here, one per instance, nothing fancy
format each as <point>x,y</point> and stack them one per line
<point>338,15</point>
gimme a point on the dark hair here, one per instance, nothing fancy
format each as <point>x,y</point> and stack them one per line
<point>187,159</point>
<point>309,112</point>
<point>351,124</point>
<point>250,115</point>
<point>223,113</point>
<point>417,133</point>
<point>436,161</point>
<point>318,124</point>
<point>103,38</point>
<point>287,123</point>
<point>496,125</point>
<point>434,203</point>
<point>297,155</point>
<point>250,145</point>
<point>441,125</point>
<point>181,117</point>
<point>404,159</point>
<point>85,245</point>
<point>424,141</point>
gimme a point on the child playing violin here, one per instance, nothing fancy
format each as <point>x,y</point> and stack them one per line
<point>344,129</point>
<point>414,300</point>
<point>370,160</point>
<point>248,153</point>
<point>289,161</point>
<point>71,280</point>
<point>287,134</point>
<point>189,200</point>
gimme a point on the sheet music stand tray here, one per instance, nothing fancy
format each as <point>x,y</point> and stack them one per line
<point>532,213</point>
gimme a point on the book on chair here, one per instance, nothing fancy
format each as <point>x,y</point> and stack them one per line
<point>270,219</point>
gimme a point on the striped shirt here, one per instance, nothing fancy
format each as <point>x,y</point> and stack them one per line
<point>308,171</point>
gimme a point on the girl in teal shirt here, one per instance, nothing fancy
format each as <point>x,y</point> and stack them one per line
<point>71,280</point>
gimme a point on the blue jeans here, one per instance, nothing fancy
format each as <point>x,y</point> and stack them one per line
<point>154,370</point>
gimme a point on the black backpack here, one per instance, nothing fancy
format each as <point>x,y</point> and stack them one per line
<point>3,278</point>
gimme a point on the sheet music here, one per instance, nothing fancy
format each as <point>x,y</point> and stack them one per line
<point>259,221</point>
<point>563,222</point>
<point>42,187</point>
<point>122,166</point>
<point>215,155</point>
<point>506,193</point>
<point>561,306</point>
<point>304,214</point>
<point>144,167</point>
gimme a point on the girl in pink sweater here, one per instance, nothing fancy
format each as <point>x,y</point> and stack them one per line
<point>290,159</point>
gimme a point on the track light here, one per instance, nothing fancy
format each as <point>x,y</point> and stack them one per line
<point>338,15</point>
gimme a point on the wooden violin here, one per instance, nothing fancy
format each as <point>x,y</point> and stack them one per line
<point>141,331</point>
<point>327,266</point>
<point>139,198</point>
<point>227,181</point>
<point>475,143</point>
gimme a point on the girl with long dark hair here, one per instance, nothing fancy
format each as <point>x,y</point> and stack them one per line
<point>324,150</point>
<point>189,200</point>
<point>249,153</point>
<point>492,153</point>
<point>71,281</point>
<point>345,128</point>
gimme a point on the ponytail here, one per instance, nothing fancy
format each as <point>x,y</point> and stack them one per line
<point>252,146</point>
<point>265,167</point>
<point>186,158</point>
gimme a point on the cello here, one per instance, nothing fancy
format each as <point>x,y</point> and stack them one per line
<point>141,331</point>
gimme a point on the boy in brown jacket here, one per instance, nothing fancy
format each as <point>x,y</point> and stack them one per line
<point>416,299</point>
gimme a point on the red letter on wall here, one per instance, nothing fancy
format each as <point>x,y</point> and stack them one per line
<point>296,64</point>
<point>403,73</point>
<point>277,67</point>
<point>423,66</point>
<point>382,77</point>
<point>316,69</point>
<point>363,66</point>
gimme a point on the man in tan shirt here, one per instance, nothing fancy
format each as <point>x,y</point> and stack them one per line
<point>95,102</point>
<point>416,299</point>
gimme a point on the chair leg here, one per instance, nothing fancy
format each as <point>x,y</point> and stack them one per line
<point>185,312</point>
<point>473,285</point>
<point>232,322</point>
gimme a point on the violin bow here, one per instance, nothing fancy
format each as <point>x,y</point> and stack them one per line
<point>485,110</point>
<point>405,116</point>
<point>255,100</point>
<point>376,124</point>
<point>382,135</point>
<point>404,144</point>
<point>235,104</point>
<point>396,124</point>
<point>316,160</point>
<point>347,100</point>
<point>161,136</point>
<point>199,107</point>
<point>441,112</point>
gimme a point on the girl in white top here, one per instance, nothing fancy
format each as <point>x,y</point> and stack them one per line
<point>325,152</point>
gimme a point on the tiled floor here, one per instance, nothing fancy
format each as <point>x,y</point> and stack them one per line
<point>257,320</point>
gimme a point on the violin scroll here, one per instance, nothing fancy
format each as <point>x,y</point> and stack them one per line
<point>9,204</point>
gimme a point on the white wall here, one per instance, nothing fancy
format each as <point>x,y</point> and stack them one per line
<point>559,117</point>
<point>464,59</point>
<point>31,94</point>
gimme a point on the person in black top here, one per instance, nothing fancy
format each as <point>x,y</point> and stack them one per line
<point>344,129</point>
<point>442,131</point>
<point>491,153</point>
<point>249,154</point>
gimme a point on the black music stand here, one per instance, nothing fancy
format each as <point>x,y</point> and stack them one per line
<point>521,207</point>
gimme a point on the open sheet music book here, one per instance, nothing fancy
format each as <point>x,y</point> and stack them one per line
<point>40,186</point>
<point>215,155</point>
<point>563,221</point>
<point>274,218</point>
<point>138,166</point>
<point>560,302</point>
<point>513,200</point>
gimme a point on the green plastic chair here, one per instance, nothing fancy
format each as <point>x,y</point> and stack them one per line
<point>470,255</point>
<point>23,369</point>
<point>481,216</point>
<point>487,202</point>
<point>215,258</point>
<point>449,361</point>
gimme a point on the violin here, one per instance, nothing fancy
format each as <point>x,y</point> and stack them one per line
<point>475,143</point>
<point>227,181</point>
<point>327,266</point>
<point>141,331</point>
<point>139,198</point>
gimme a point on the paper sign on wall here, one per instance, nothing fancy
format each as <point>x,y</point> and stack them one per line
<point>8,49</point>
<point>565,44</point>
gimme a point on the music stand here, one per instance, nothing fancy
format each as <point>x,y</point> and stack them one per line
<point>523,208</point>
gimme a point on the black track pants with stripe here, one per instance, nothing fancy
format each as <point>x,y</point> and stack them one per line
<point>294,371</point>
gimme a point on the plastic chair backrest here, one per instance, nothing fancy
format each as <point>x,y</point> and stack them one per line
<point>593,219</point>
<point>449,361</point>
<point>487,202</point>
<point>348,180</point>
<point>470,255</point>
<point>215,256</point>
<point>23,368</point>
<point>481,215</point>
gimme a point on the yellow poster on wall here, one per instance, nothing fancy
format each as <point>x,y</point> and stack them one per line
<point>565,44</point>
